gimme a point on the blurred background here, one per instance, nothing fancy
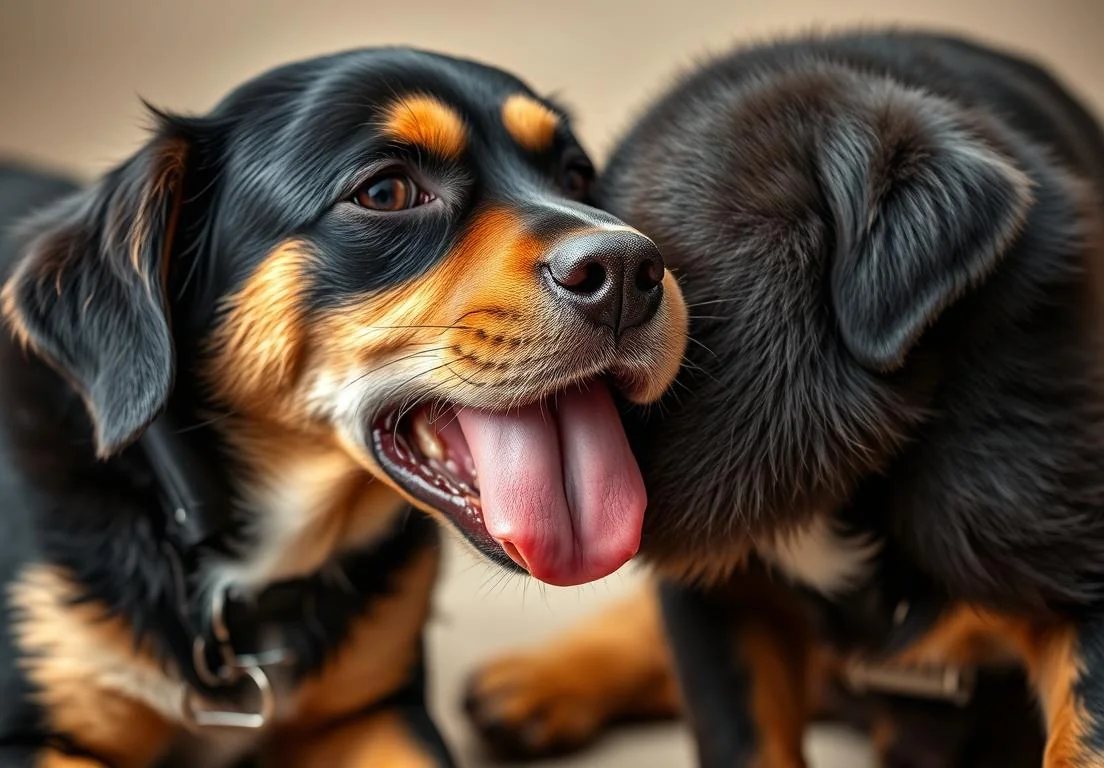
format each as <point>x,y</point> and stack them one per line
<point>72,73</point>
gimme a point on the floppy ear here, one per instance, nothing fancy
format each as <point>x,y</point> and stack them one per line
<point>924,209</point>
<point>89,293</point>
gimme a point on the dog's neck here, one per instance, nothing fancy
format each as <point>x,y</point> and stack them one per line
<point>299,500</point>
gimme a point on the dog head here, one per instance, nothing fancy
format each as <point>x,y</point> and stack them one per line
<point>824,225</point>
<point>381,260</point>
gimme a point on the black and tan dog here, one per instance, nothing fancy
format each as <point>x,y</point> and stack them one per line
<point>886,463</point>
<point>360,281</point>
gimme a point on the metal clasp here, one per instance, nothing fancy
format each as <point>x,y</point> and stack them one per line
<point>946,682</point>
<point>196,715</point>
<point>234,669</point>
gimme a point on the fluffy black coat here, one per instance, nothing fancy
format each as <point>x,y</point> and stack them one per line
<point>888,243</point>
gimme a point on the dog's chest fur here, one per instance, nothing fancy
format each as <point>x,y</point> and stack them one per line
<point>821,557</point>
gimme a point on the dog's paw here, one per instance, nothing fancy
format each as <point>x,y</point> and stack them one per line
<point>528,707</point>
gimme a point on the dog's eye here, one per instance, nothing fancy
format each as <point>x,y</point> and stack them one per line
<point>576,178</point>
<point>394,192</point>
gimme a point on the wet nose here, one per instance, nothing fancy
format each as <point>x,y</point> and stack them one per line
<point>613,279</point>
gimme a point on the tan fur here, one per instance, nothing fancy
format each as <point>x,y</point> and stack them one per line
<point>54,759</point>
<point>613,667</point>
<point>883,736</point>
<point>90,679</point>
<point>169,172</point>
<point>380,653</point>
<point>777,663</point>
<point>12,315</point>
<point>530,123</point>
<point>375,741</point>
<point>969,635</point>
<point>1054,665</point>
<point>312,499</point>
<point>707,568</point>
<point>259,345</point>
<point>428,123</point>
<point>480,304</point>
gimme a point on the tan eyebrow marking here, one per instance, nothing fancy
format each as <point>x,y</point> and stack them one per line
<point>428,123</point>
<point>530,123</point>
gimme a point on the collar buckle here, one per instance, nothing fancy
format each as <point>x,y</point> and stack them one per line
<point>233,670</point>
<point>196,715</point>
<point>949,682</point>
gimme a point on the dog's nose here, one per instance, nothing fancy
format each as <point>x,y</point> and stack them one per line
<point>612,278</point>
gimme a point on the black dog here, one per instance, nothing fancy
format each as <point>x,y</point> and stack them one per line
<point>245,349</point>
<point>891,248</point>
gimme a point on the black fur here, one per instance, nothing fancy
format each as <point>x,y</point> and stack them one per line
<point>114,291</point>
<point>102,321</point>
<point>816,368</point>
<point>889,244</point>
<point>711,673</point>
<point>1090,687</point>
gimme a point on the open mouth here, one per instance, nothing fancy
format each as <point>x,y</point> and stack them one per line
<point>425,452</point>
<point>552,485</point>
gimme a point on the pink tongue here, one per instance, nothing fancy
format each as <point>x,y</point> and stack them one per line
<point>562,489</point>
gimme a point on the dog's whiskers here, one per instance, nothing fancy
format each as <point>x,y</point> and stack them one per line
<point>404,358</point>
<point>703,346</point>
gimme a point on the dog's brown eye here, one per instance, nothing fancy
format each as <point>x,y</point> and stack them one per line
<point>390,193</point>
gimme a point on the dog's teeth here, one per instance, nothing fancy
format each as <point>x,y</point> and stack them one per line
<point>452,467</point>
<point>430,445</point>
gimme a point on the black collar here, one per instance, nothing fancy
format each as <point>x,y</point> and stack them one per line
<point>197,508</point>
<point>231,644</point>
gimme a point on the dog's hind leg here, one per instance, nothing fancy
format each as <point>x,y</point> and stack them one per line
<point>557,698</point>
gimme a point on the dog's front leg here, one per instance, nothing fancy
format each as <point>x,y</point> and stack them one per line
<point>741,664</point>
<point>611,668</point>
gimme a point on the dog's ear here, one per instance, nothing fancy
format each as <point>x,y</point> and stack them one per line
<point>89,293</point>
<point>924,207</point>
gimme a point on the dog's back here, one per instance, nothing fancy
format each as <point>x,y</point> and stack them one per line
<point>1019,90</point>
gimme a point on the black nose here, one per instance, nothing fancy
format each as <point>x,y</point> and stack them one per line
<point>611,277</point>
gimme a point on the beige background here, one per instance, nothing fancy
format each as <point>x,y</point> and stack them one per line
<point>71,73</point>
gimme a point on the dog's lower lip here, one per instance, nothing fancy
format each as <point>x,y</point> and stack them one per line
<point>408,447</point>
